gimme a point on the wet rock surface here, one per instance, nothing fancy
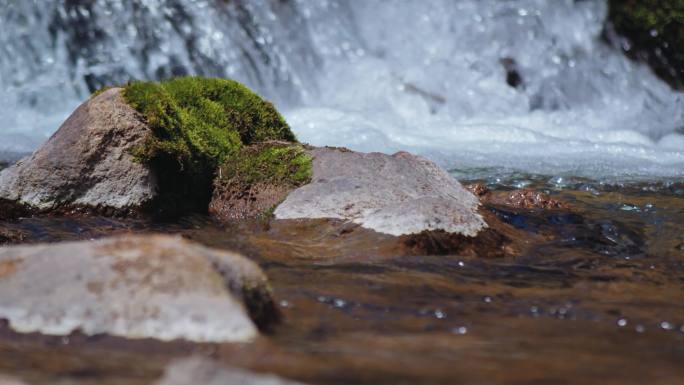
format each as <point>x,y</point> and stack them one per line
<point>150,286</point>
<point>205,372</point>
<point>86,164</point>
<point>393,194</point>
<point>519,199</point>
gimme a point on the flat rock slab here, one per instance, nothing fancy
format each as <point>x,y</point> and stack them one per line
<point>202,371</point>
<point>87,162</point>
<point>394,194</point>
<point>151,286</point>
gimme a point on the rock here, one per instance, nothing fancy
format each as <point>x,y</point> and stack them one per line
<point>11,236</point>
<point>5,380</point>
<point>151,286</point>
<point>393,194</point>
<point>204,372</point>
<point>519,199</point>
<point>86,163</point>
<point>251,183</point>
<point>654,30</point>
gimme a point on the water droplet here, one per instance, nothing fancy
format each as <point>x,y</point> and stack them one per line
<point>439,314</point>
<point>487,299</point>
<point>622,322</point>
<point>640,329</point>
<point>285,304</point>
<point>460,330</point>
<point>461,264</point>
<point>322,299</point>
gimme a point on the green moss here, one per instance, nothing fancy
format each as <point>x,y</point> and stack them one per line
<point>655,29</point>
<point>198,123</point>
<point>275,163</point>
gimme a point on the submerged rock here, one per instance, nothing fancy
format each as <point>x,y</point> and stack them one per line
<point>86,163</point>
<point>393,194</point>
<point>152,286</point>
<point>519,199</point>
<point>204,372</point>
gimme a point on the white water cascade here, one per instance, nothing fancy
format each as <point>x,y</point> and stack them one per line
<point>525,85</point>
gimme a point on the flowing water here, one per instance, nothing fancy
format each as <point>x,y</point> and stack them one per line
<point>512,94</point>
<point>596,299</point>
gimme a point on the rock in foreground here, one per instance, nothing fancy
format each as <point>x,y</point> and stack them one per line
<point>86,163</point>
<point>394,194</point>
<point>152,286</point>
<point>203,372</point>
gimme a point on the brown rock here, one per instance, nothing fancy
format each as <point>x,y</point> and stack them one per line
<point>520,199</point>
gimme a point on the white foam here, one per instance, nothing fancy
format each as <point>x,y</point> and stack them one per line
<point>418,75</point>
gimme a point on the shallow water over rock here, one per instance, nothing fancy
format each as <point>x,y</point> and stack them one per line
<point>595,298</point>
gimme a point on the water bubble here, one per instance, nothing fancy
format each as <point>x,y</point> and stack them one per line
<point>622,322</point>
<point>285,304</point>
<point>487,299</point>
<point>439,314</point>
<point>640,328</point>
<point>666,325</point>
<point>460,330</point>
<point>461,264</point>
<point>629,207</point>
<point>535,311</point>
<point>322,298</point>
<point>339,303</point>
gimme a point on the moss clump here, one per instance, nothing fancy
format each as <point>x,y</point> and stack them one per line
<point>655,29</point>
<point>253,181</point>
<point>197,123</point>
<point>278,163</point>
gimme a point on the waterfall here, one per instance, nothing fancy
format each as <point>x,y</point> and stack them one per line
<point>527,85</point>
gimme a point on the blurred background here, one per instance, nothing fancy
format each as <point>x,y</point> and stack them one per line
<point>551,87</point>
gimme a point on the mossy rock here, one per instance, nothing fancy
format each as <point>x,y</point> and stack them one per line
<point>197,124</point>
<point>253,181</point>
<point>655,30</point>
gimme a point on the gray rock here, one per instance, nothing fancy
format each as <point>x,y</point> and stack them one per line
<point>393,194</point>
<point>153,286</point>
<point>87,162</point>
<point>200,371</point>
<point>5,380</point>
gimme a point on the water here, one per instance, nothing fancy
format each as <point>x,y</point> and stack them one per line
<point>595,298</point>
<point>426,76</point>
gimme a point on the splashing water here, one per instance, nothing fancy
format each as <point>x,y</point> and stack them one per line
<point>518,85</point>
